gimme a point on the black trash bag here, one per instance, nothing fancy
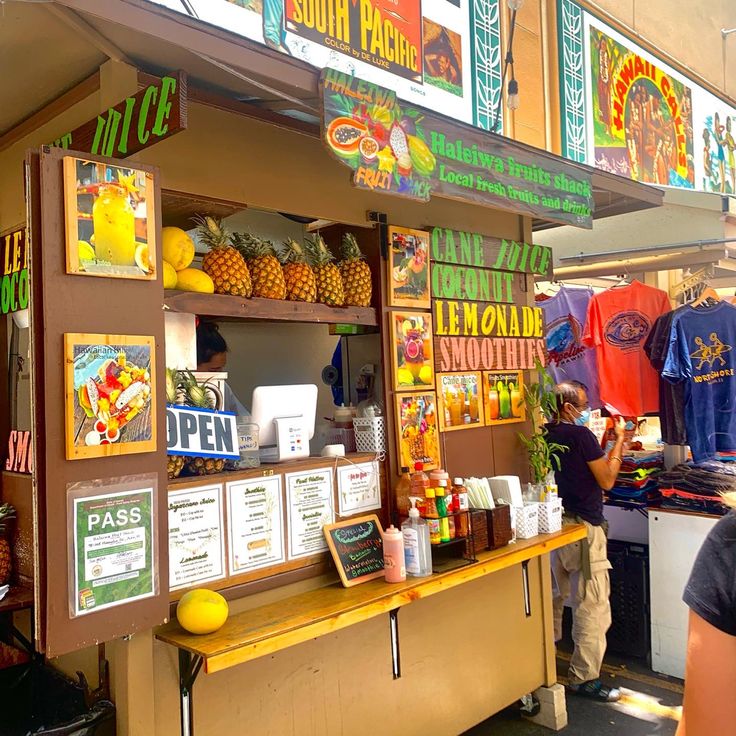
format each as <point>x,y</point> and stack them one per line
<point>36,699</point>
<point>99,720</point>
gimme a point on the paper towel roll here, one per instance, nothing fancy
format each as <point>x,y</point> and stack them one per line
<point>333,451</point>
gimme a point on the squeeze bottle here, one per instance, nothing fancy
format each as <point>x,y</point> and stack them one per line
<point>442,511</point>
<point>394,567</point>
<point>461,504</point>
<point>433,518</point>
<point>417,548</point>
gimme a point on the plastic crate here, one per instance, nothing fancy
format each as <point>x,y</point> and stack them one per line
<point>527,520</point>
<point>630,609</point>
<point>550,516</point>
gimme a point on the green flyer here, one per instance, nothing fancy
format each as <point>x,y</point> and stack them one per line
<point>113,558</point>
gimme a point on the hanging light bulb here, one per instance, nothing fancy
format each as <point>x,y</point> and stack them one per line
<point>515,4</point>
<point>512,95</point>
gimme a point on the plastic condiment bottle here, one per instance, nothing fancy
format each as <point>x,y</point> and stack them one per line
<point>417,547</point>
<point>394,567</point>
<point>433,518</point>
<point>419,481</point>
<point>402,492</point>
<point>441,493</point>
<point>461,504</point>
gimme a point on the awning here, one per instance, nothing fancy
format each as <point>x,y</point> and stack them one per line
<point>221,66</point>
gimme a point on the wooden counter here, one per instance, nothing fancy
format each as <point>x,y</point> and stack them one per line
<point>282,624</point>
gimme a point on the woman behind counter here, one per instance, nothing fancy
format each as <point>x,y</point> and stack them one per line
<point>212,357</point>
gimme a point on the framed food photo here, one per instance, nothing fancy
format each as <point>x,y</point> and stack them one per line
<point>411,350</point>
<point>110,220</point>
<point>417,431</point>
<point>503,397</point>
<point>110,402</point>
<point>408,268</point>
<point>460,400</point>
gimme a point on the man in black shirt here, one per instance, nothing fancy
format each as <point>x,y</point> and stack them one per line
<point>582,568</point>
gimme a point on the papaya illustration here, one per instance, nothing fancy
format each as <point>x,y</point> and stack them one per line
<point>344,135</point>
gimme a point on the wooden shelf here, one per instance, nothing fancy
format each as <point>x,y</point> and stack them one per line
<point>281,624</point>
<point>16,599</point>
<point>267,469</point>
<point>236,308</point>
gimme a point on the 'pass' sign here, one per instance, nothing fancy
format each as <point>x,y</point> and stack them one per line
<point>201,433</point>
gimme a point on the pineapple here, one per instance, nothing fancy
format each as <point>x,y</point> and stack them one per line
<point>356,275</point>
<point>301,285</point>
<point>174,466</point>
<point>7,512</point>
<point>223,263</point>
<point>329,282</point>
<point>268,277</point>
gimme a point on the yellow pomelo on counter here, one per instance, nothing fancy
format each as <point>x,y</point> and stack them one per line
<point>201,611</point>
<point>170,276</point>
<point>192,279</point>
<point>177,247</point>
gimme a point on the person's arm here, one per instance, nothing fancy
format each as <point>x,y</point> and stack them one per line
<point>710,681</point>
<point>605,469</point>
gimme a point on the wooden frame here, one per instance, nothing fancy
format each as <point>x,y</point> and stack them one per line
<point>451,415</point>
<point>407,329</point>
<point>139,187</point>
<point>77,419</point>
<point>337,558</point>
<point>408,276</point>
<point>415,442</point>
<point>499,409</point>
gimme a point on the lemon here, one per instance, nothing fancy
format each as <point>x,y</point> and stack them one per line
<point>405,377</point>
<point>201,611</point>
<point>192,279</point>
<point>425,374</point>
<point>142,259</point>
<point>169,274</point>
<point>86,251</point>
<point>177,247</point>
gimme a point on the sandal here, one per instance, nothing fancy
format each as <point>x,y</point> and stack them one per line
<point>596,690</point>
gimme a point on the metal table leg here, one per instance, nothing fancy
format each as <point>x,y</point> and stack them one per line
<point>393,619</point>
<point>525,583</point>
<point>189,667</point>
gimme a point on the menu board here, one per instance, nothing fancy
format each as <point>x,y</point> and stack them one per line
<point>358,488</point>
<point>357,549</point>
<point>309,506</point>
<point>196,536</point>
<point>255,524</point>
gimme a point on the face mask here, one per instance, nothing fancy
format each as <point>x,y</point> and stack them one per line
<point>583,419</point>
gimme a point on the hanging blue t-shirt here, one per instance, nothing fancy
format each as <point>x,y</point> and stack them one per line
<point>702,353</point>
<point>568,358</point>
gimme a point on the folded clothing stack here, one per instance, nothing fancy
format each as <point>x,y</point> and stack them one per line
<point>697,487</point>
<point>636,480</point>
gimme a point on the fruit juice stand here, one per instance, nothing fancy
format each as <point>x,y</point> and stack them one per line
<point>448,266</point>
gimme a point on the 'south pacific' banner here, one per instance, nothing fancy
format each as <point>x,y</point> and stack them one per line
<point>396,148</point>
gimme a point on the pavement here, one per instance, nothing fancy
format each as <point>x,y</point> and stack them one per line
<point>649,706</point>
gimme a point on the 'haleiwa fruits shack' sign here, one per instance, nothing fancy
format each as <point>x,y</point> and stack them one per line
<point>153,114</point>
<point>396,148</point>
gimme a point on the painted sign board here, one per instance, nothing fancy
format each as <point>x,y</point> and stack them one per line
<point>442,54</point>
<point>195,432</point>
<point>396,148</point>
<point>155,113</point>
<point>20,452</point>
<point>15,289</point>
<point>627,111</point>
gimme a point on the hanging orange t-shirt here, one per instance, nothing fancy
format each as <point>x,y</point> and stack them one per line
<point>618,324</point>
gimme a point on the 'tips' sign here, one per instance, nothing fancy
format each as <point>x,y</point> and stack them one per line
<point>201,433</point>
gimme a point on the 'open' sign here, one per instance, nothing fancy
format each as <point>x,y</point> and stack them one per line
<point>201,433</point>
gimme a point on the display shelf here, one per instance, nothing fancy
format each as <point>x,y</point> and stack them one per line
<point>16,599</point>
<point>267,469</point>
<point>236,308</point>
<point>281,624</point>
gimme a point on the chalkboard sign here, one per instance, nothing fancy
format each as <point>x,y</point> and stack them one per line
<point>357,548</point>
